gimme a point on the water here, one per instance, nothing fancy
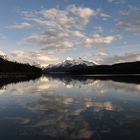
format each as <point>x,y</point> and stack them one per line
<point>70,108</point>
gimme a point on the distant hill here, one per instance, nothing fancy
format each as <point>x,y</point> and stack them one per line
<point>7,66</point>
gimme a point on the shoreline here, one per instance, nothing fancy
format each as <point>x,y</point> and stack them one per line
<point>18,74</point>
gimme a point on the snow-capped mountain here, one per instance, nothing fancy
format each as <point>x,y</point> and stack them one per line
<point>68,64</point>
<point>78,61</point>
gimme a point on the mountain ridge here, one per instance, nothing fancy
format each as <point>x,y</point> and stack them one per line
<point>69,64</point>
<point>83,68</point>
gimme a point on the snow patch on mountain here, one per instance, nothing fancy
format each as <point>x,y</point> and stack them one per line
<point>69,62</point>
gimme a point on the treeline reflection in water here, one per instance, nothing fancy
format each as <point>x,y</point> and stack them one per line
<point>70,108</point>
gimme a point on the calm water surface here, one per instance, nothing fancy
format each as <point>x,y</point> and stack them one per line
<point>66,108</point>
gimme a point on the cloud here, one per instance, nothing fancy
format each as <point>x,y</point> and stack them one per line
<point>82,13</point>
<point>36,57</point>
<point>55,40</point>
<point>99,39</point>
<point>130,20</point>
<point>127,57</point>
<point>23,25</point>
<point>2,53</point>
<point>18,54</point>
<point>44,59</point>
<point>105,16</point>
<point>116,1</point>
<point>98,29</point>
<point>78,34</point>
<point>55,18</point>
<point>63,29</point>
<point>60,29</point>
<point>110,1</point>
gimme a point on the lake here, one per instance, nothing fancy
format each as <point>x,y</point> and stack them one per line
<point>70,108</point>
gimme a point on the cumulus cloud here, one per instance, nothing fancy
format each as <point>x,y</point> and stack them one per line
<point>23,25</point>
<point>104,58</point>
<point>44,59</point>
<point>35,58</point>
<point>82,13</point>
<point>2,53</point>
<point>63,29</point>
<point>68,18</point>
<point>18,54</point>
<point>55,40</point>
<point>130,20</point>
<point>99,39</point>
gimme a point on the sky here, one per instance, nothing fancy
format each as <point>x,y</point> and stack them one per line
<point>49,31</point>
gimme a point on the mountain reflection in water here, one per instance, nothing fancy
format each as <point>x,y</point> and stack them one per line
<point>70,108</point>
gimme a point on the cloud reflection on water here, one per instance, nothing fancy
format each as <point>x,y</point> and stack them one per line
<point>78,109</point>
